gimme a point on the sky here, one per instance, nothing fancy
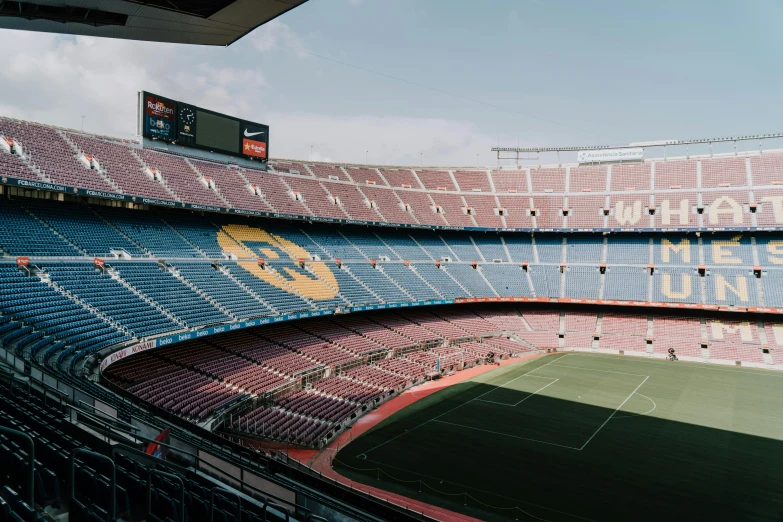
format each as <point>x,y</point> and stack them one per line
<point>433,82</point>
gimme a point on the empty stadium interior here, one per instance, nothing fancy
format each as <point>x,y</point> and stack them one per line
<point>259,315</point>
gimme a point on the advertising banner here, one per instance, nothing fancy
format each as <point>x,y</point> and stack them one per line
<point>254,139</point>
<point>603,155</point>
<point>160,117</point>
<point>254,148</point>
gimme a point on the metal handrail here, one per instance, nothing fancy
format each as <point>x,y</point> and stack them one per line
<point>238,514</point>
<point>103,413</point>
<point>181,491</point>
<point>243,485</point>
<point>30,464</point>
<point>276,506</point>
<point>99,456</point>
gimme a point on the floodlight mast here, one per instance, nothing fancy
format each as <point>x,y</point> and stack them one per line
<point>642,144</point>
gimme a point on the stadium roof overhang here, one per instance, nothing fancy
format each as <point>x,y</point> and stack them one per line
<point>203,22</point>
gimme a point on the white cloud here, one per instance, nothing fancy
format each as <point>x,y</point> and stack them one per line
<point>385,140</point>
<point>56,79</point>
<point>275,35</point>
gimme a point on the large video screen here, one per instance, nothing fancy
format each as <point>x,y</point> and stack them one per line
<point>217,132</point>
<point>190,126</point>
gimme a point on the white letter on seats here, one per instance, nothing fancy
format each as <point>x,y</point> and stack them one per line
<point>684,248</point>
<point>667,213</point>
<point>746,334</point>
<point>721,256</point>
<point>777,207</point>
<point>733,208</point>
<point>777,329</point>
<point>741,290</point>
<point>685,285</point>
<point>775,248</point>
<point>628,215</point>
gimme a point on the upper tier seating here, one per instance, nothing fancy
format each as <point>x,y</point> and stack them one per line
<point>661,193</point>
<point>122,167</point>
<point>232,184</point>
<point>436,179</point>
<point>56,160</point>
<point>510,181</point>
<point>388,205</point>
<point>328,172</point>
<point>365,175</point>
<point>180,177</point>
<point>400,178</point>
<point>483,210</point>
<point>472,180</point>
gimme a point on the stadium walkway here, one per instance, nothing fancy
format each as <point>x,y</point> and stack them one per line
<point>321,462</point>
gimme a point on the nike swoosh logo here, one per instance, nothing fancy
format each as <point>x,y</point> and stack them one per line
<point>249,134</point>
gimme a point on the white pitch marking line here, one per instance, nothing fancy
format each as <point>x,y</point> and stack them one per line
<point>459,406</point>
<point>696,365</point>
<point>504,384</point>
<point>640,414</point>
<point>495,402</point>
<point>521,400</point>
<point>526,398</point>
<point>612,415</point>
<point>507,435</point>
<point>596,370</point>
<point>535,392</point>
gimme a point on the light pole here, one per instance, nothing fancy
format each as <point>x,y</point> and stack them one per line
<point>365,156</point>
<point>477,159</point>
<point>82,122</point>
<point>311,153</point>
<point>421,159</point>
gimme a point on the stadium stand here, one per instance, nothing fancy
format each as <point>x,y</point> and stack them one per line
<point>578,194</point>
<point>82,276</point>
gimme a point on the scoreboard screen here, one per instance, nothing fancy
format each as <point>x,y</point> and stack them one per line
<point>217,132</point>
<point>190,126</point>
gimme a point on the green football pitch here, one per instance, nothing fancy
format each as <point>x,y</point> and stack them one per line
<point>573,437</point>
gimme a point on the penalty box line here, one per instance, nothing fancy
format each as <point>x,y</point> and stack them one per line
<point>526,398</point>
<point>458,406</point>
<point>508,435</point>
<point>551,383</point>
<point>616,409</point>
<point>613,413</point>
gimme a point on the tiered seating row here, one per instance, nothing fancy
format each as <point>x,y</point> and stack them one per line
<point>619,195</point>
